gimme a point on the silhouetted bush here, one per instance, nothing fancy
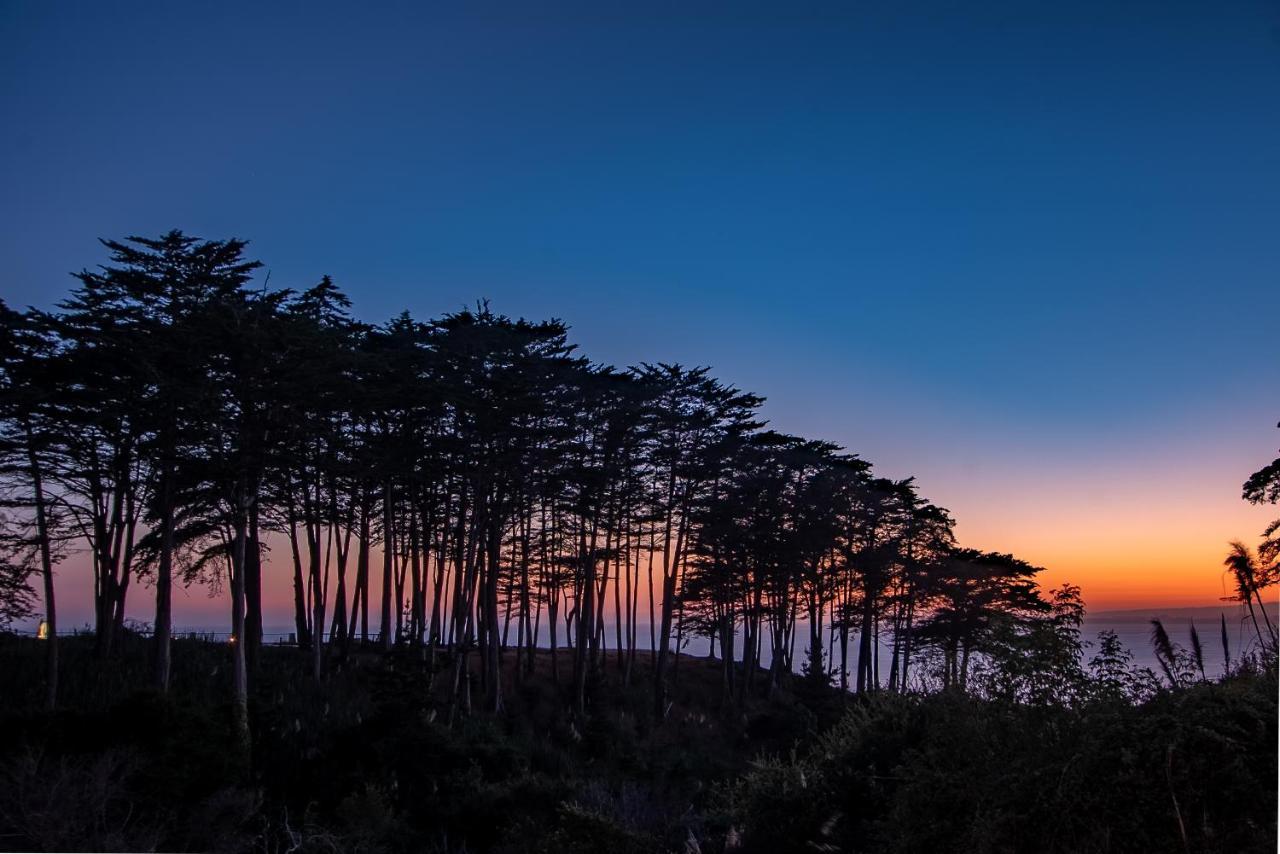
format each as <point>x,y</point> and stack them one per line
<point>950,772</point>
<point>367,761</point>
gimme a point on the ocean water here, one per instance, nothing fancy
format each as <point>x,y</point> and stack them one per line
<point>1134,630</point>
<point>1132,627</point>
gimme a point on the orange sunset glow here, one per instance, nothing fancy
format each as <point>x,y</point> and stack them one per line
<point>1137,538</point>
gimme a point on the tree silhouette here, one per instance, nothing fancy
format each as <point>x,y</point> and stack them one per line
<point>1250,578</point>
<point>31,521</point>
<point>1263,487</point>
<point>491,486</point>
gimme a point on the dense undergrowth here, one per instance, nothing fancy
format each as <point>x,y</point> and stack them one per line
<point>369,762</point>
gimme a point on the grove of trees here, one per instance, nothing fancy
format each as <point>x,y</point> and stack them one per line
<point>490,487</point>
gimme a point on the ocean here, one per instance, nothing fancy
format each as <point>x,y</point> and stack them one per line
<point>1133,627</point>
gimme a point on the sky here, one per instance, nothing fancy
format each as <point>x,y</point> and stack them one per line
<point>1026,252</point>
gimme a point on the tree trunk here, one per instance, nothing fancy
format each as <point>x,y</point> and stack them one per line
<point>318,592</point>
<point>164,585</point>
<point>299,594</point>
<point>240,676</point>
<point>493,661</point>
<point>388,554</point>
<point>253,594</point>
<point>46,567</point>
<point>865,669</point>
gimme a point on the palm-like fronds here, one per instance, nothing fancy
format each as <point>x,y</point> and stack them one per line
<point>1165,655</point>
<point>1226,645</point>
<point>1197,650</point>
<point>1244,571</point>
<point>1240,563</point>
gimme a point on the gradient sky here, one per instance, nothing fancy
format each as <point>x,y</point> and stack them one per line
<point>1025,252</point>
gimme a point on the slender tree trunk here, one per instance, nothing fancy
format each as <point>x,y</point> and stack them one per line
<point>493,660</point>
<point>586,610</point>
<point>362,576</point>
<point>438,587</point>
<point>388,555</point>
<point>906,644</point>
<point>46,567</point>
<point>864,640</point>
<point>416,591</point>
<point>253,593</point>
<point>126,575</point>
<point>299,591</point>
<point>111,532</point>
<point>318,592</point>
<point>240,676</point>
<point>338,623</point>
<point>670,560</point>
<point>618,613</point>
<point>164,584</point>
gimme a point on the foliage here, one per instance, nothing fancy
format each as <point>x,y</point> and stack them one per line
<point>952,772</point>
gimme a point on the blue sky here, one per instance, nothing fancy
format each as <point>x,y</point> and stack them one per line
<point>1008,248</point>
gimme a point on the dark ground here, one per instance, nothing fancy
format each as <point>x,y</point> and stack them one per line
<point>368,762</point>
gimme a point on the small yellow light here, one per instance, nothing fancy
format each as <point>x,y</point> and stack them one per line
<point>231,639</point>
<point>42,633</point>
